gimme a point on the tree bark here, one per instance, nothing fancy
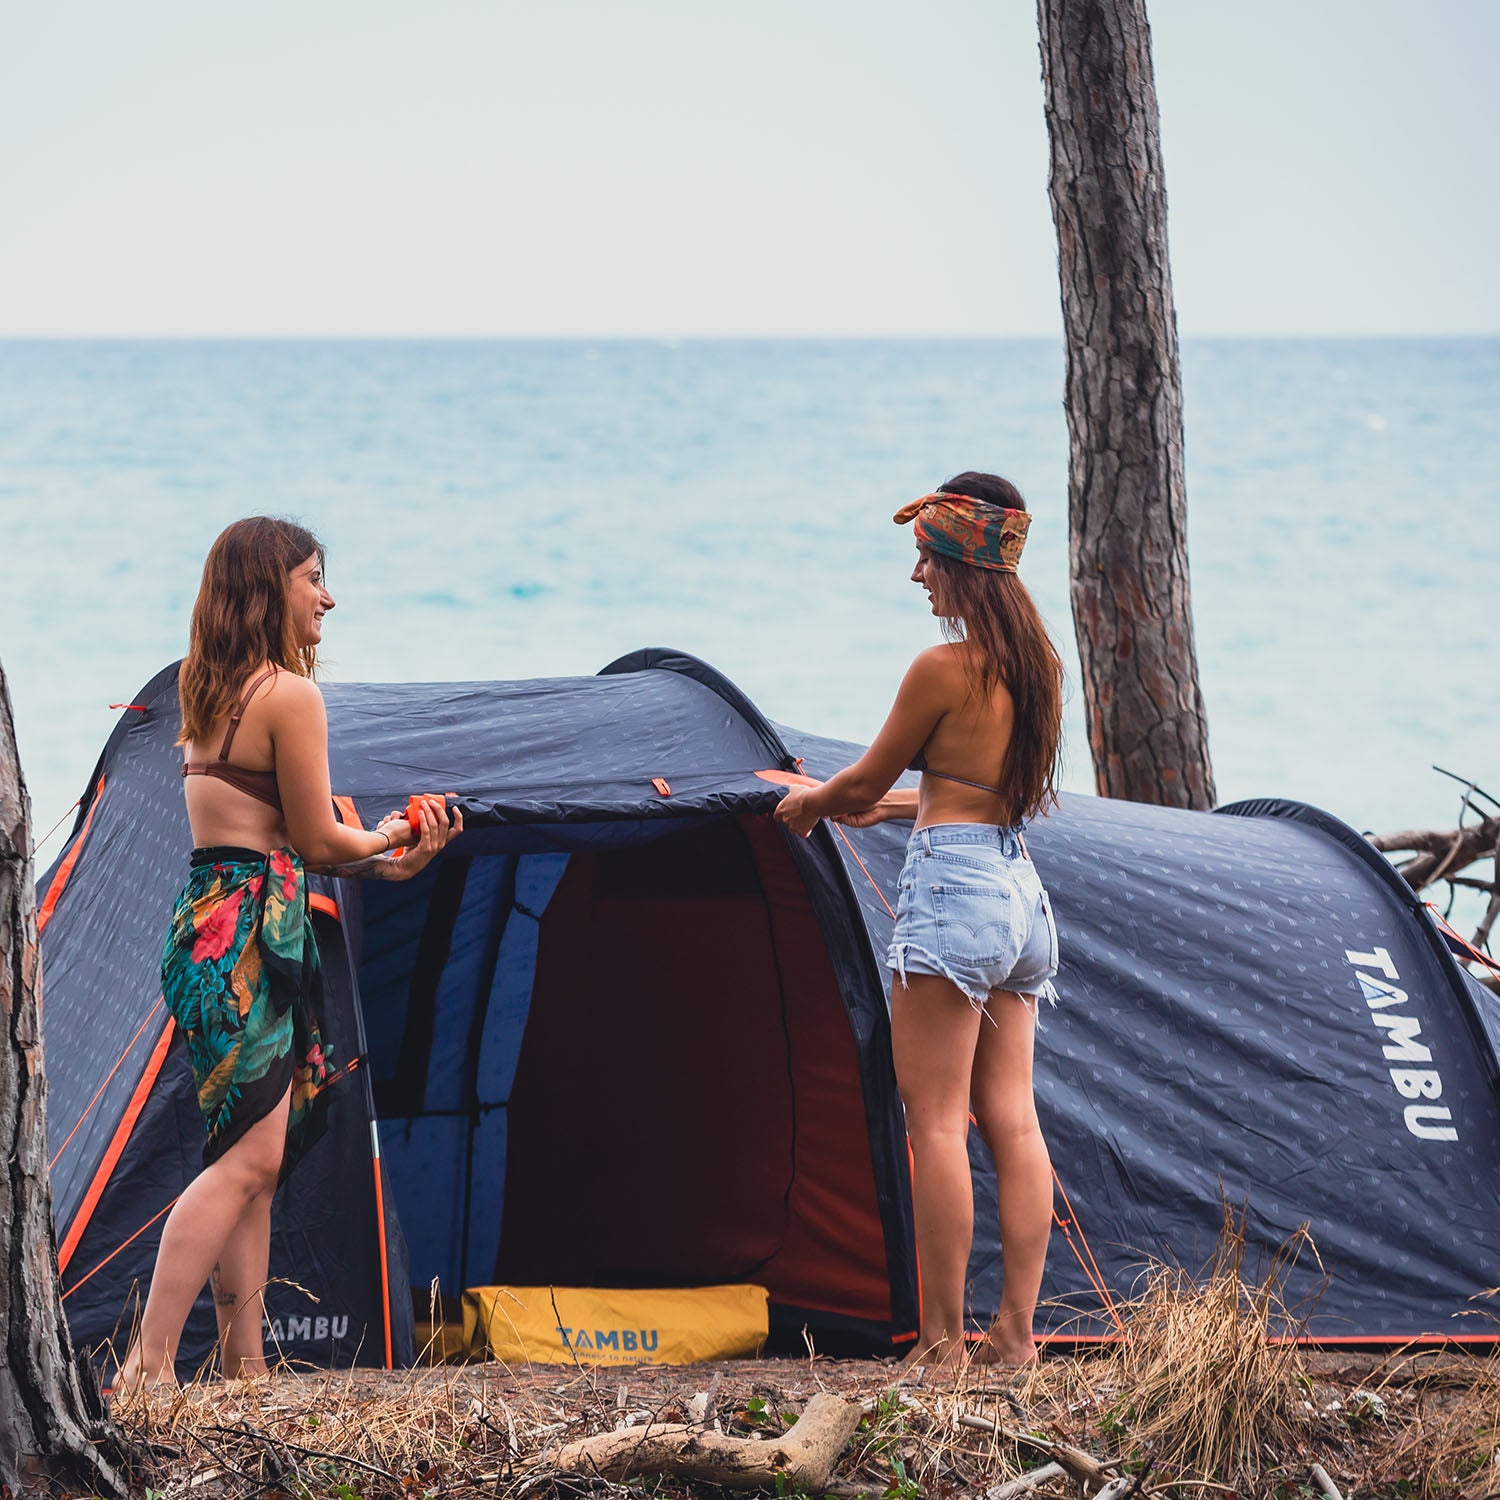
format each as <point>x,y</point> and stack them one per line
<point>1127,504</point>
<point>53,1432</point>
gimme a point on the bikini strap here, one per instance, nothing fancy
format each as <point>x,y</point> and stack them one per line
<point>234,722</point>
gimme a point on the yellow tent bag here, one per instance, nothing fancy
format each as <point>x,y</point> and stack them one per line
<point>598,1326</point>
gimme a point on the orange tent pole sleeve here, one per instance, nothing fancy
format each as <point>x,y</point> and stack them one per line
<point>116,1149</point>
<point>65,869</point>
<point>385,1275</point>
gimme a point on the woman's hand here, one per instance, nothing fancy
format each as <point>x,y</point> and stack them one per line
<point>794,813</point>
<point>866,818</point>
<point>435,830</point>
<point>899,804</point>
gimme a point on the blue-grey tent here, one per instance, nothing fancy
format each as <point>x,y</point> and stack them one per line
<point>628,1033</point>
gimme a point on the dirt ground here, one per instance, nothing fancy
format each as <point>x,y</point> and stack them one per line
<point>1419,1424</point>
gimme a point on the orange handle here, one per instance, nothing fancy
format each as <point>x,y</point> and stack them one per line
<point>414,808</point>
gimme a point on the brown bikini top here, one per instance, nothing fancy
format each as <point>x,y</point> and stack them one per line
<point>258,784</point>
<point>919,763</point>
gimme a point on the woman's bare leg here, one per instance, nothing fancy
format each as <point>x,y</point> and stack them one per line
<point>239,1281</point>
<point>1001,1095</point>
<point>194,1237</point>
<point>933,1033</point>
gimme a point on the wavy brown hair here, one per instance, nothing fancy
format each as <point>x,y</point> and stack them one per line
<point>996,614</point>
<point>241,618</point>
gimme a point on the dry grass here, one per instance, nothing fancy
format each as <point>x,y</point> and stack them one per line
<point>1208,1379</point>
<point>340,1434</point>
<point>1205,1394</point>
<point>1448,1441</point>
<point>1408,1428</point>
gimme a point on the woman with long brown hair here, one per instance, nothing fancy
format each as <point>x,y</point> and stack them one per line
<point>240,964</point>
<point>975,945</point>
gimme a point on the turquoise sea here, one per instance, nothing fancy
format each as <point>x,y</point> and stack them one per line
<point>516,509</point>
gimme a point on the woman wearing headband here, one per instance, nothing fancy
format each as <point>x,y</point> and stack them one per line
<point>974,945</point>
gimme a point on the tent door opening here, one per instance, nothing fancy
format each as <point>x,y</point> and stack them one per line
<point>629,1066</point>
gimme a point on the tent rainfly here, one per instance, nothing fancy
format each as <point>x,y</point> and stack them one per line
<point>627,1033</point>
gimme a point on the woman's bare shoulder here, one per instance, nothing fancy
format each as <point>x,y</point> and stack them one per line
<point>289,693</point>
<point>934,683</point>
<point>938,664</point>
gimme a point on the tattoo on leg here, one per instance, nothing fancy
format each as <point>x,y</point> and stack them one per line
<point>221,1297</point>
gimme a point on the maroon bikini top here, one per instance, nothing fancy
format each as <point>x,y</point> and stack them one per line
<point>258,784</point>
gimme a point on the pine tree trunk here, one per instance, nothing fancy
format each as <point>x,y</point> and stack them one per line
<point>1127,506</point>
<point>52,1429</point>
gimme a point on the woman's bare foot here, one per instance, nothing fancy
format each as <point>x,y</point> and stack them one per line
<point>133,1376</point>
<point>940,1354</point>
<point>1007,1343</point>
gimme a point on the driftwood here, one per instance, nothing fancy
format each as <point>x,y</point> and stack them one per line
<point>800,1458</point>
<point>1015,1488</point>
<point>1445,856</point>
<point>1325,1484</point>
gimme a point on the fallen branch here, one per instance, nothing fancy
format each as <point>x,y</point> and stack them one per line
<point>1442,855</point>
<point>1437,854</point>
<point>1324,1483</point>
<point>1034,1480</point>
<point>1083,1467</point>
<point>802,1457</point>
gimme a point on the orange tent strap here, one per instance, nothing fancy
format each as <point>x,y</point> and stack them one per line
<point>116,1149</point>
<point>97,1092</point>
<point>1474,953</point>
<point>124,1245</point>
<point>861,864</point>
<point>65,869</point>
<point>1091,1266</point>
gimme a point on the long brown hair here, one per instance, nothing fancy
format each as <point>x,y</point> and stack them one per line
<point>241,618</point>
<point>996,614</point>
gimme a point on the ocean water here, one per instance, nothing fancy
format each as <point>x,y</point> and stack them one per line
<point>518,509</point>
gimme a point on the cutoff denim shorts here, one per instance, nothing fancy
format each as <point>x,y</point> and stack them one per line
<point>970,907</point>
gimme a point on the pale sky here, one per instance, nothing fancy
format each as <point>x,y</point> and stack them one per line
<point>698,167</point>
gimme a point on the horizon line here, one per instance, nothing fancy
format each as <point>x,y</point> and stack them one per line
<point>1282,336</point>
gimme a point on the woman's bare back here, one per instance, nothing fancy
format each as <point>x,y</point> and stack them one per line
<point>968,742</point>
<point>219,812</point>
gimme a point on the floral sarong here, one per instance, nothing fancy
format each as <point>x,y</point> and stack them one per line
<point>240,975</point>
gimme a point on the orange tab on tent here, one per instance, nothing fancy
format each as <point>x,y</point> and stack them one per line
<point>789,778</point>
<point>661,786</point>
<point>348,812</point>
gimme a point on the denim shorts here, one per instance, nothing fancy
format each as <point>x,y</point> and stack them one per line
<point>971,908</point>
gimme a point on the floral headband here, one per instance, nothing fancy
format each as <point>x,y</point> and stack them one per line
<point>969,530</point>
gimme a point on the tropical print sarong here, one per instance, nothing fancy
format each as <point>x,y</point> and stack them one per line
<point>240,975</point>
